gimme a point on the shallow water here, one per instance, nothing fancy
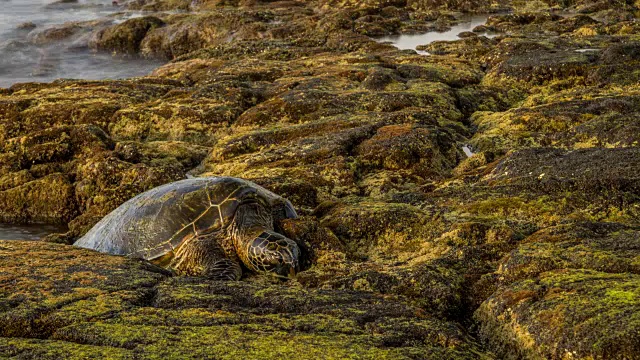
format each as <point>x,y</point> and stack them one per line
<point>21,60</point>
<point>467,151</point>
<point>410,42</point>
<point>28,232</point>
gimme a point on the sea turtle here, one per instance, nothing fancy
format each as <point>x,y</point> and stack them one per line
<point>202,226</point>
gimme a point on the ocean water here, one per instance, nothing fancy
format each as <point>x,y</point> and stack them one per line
<point>24,59</point>
<point>28,232</point>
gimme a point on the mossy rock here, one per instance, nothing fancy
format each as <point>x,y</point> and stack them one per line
<point>52,350</point>
<point>548,116</point>
<point>435,289</point>
<point>585,313</point>
<point>604,247</point>
<point>125,38</point>
<point>382,230</point>
<point>409,237</point>
<point>51,35</point>
<point>46,277</point>
<point>46,200</point>
<point>545,67</point>
<point>425,152</point>
<point>85,304</point>
<point>596,170</point>
<point>162,153</point>
<point>471,47</point>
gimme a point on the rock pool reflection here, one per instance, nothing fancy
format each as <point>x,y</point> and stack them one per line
<point>411,41</point>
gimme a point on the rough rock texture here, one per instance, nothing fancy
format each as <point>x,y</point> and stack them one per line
<point>78,304</point>
<point>527,249</point>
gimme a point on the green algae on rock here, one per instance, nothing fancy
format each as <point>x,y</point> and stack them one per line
<point>544,317</point>
<point>92,304</point>
<point>535,233</point>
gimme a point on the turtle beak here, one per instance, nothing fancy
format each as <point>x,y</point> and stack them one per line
<point>286,272</point>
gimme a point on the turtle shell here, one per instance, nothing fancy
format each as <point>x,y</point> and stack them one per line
<point>156,222</point>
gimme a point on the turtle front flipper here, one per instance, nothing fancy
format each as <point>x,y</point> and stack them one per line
<point>204,256</point>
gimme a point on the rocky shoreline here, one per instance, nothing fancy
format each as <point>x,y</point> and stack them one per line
<point>528,249</point>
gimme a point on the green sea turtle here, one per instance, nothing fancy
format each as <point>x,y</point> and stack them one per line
<point>202,226</point>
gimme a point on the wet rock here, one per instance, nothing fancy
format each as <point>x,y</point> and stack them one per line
<point>628,51</point>
<point>572,23</point>
<point>62,4</point>
<point>161,153</point>
<point>573,123</point>
<point>409,237</point>
<point>467,34</point>
<point>378,229</point>
<point>520,19</point>
<point>300,193</point>
<point>433,288</point>
<point>27,26</point>
<point>449,72</point>
<point>125,38</point>
<point>379,79</point>
<point>468,47</point>
<point>54,34</point>
<point>420,5</point>
<point>471,99</point>
<point>544,67</point>
<point>23,310</point>
<point>604,247</point>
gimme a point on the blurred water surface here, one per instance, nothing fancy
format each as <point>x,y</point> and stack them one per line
<point>28,232</point>
<point>24,58</point>
<point>411,41</point>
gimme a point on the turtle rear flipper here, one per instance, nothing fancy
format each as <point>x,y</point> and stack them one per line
<point>203,256</point>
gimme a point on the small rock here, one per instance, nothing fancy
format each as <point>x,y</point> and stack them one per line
<point>26,26</point>
<point>467,34</point>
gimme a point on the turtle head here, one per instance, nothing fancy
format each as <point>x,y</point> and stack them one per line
<point>274,253</point>
<point>259,247</point>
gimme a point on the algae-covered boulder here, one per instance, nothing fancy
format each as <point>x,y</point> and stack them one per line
<point>125,38</point>
<point>545,66</point>
<point>584,119</point>
<point>378,229</point>
<point>604,247</point>
<point>567,289</point>
<point>45,200</point>
<point>422,151</point>
<point>593,170</point>
<point>564,313</point>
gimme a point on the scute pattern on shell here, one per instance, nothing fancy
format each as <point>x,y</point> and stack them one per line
<point>157,221</point>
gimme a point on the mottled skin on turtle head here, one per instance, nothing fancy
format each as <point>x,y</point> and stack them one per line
<point>259,247</point>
